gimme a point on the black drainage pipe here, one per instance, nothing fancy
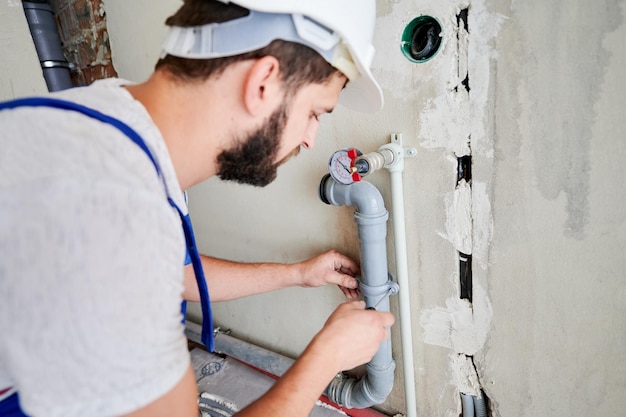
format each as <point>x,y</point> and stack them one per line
<point>43,29</point>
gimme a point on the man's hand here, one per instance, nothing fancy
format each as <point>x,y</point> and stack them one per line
<point>331,268</point>
<point>352,335</point>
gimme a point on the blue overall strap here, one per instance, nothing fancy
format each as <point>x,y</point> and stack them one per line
<point>68,105</point>
<point>10,407</point>
<point>205,303</point>
<point>207,319</point>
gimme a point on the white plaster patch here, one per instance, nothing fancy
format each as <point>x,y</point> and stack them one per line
<point>459,218</point>
<point>464,375</point>
<point>444,123</point>
<point>450,119</point>
<point>457,121</point>
<point>445,120</point>
<point>482,222</point>
<point>469,221</point>
<point>460,326</point>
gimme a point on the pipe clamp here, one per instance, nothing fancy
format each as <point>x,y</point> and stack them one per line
<point>380,291</point>
<point>372,291</point>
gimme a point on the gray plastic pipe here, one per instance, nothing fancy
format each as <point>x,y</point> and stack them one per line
<point>468,405</point>
<point>473,405</point>
<point>371,218</point>
<point>270,362</point>
<point>43,28</point>
<point>480,406</point>
<point>391,156</point>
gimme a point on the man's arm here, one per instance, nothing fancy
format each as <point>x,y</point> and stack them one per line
<point>350,337</point>
<point>230,280</point>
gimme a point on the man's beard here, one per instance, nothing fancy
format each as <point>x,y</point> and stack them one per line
<point>253,160</point>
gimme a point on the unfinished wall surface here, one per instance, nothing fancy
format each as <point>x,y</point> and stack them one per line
<point>20,71</point>
<point>541,117</point>
<point>555,270</point>
<point>136,30</point>
<point>83,32</point>
<point>84,38</point>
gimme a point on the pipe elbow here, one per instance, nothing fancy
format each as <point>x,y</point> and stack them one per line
<point>364,196</point>
<point>371,389</point>
<point>367,200</point>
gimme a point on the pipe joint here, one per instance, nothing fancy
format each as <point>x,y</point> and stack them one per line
<point>390,156</point>
<point>364,196</point>
<point>374,161</point>
<point>43,29</point>
<point>371,219</point>
<point>394,160</point>
<point>372,389</point>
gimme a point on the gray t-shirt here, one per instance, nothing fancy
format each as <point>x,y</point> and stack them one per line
<point>91,259</point>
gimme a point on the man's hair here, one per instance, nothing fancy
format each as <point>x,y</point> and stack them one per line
<point>299,64</point>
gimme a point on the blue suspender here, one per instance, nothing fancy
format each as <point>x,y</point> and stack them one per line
<point>207,318</point>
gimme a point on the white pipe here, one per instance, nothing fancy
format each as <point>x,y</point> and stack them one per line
<point>391,156</point>
<point>399,232</point>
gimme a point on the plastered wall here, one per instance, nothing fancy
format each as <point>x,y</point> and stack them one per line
<point>20,73</point>
<point>555,271</point>
<point>543,216</point>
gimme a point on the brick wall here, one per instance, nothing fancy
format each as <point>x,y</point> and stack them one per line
<point>83,32</point>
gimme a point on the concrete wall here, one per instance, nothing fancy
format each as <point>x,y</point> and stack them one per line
<point>20,72</point>
<point>555,270</point>
<point>543,216</point>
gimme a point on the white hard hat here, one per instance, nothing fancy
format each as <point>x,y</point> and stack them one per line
<point>339,30</point>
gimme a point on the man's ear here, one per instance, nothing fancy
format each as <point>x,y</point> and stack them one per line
<point>263,86</point>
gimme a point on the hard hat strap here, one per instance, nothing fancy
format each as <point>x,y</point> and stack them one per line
<point>256,31</point>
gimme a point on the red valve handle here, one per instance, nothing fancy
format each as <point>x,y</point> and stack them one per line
<point>353,154</point>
